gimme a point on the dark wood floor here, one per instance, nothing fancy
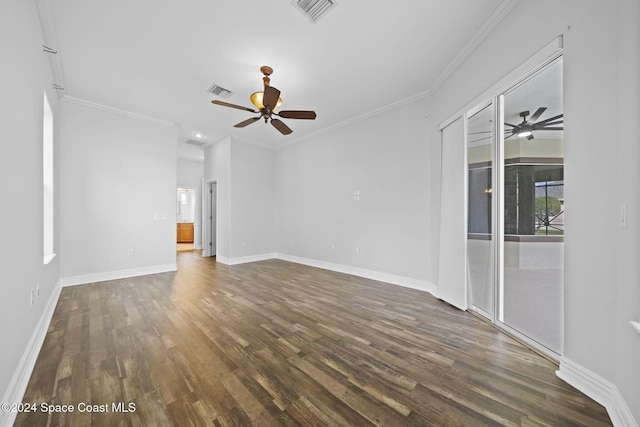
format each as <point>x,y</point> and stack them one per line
<point>280,344</point>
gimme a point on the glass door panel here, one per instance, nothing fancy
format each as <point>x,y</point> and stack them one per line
<point>531,292</point>
<point>480,242</point>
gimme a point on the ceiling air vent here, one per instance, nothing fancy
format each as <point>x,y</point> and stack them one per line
<point>314,9</point>
<point>219,91</point>
<point>196,143</point>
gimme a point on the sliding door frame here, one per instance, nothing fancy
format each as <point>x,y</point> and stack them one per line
<point>497,205</point>
<point>536,62</point>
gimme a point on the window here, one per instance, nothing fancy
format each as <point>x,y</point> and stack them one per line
<point>550,207</point>
<point>534,199</point>
<point>47,182</point>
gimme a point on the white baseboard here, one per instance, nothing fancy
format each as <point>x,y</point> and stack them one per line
<point>407,282</point>
<point>223,259</point>
<point>251,258</point>
<point>20,379</point>
<point>119,274</point>
<point>599,389</point>
<point>244,259</point>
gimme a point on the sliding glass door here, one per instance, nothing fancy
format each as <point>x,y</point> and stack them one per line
<point>516,202</point>
<point>481,145</point>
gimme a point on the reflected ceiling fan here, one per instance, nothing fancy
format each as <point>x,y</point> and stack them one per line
<point>266,104</point>
<point>526,128</point>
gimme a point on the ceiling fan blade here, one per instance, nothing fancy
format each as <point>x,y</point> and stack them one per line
<point>509,124</point>
<point>237,107</point>
<point>279,124</point>
<point>554,123</point>
<point>271,95</point>
<point>550,128</point>
<point>541,126</point>
<point>247,122</point>
<point>537,114</point>
<point>297,114</point>
<point>552,119</point>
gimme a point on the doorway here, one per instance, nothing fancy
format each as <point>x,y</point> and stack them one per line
<point>185,218</point>
<point>515,209</point>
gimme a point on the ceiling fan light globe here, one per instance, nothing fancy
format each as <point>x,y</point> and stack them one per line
<point>257,100</point>
<point>524,133</point>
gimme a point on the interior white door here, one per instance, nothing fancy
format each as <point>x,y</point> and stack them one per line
<point>452,264</point>
<point>213,191</point>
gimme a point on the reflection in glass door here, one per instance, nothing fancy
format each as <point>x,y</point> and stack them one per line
<point>515,217</point>
<point>533,208</point>
<point>480,242</point>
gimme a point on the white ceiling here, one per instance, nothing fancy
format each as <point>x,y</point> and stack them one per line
<point>157,58</point>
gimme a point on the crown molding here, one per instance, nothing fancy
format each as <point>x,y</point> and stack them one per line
<point>415,97</point>
<point>116,110</point>
<point>487,28</point>
<point>501,11</point>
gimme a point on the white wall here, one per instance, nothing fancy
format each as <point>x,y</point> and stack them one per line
<point>601,109</point>
<point>217,168</point>
<point>245,204</point>
<point>26,74</point>
<point>383,159</point>
<point>117,192</point>
<point>190,175</point>
<point>252,200</point>
<point>627,283</point>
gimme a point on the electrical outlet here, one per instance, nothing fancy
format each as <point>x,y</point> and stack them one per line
<point>130,251</point>
<point>332,248</point>
<point>244,243</point>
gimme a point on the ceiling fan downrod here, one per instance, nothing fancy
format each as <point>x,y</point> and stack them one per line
<point>267,71</point>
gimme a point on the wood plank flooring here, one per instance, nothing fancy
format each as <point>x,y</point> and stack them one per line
<point>274,343</point>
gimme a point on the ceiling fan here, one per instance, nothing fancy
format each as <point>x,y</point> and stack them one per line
<point>266,104</point>
<point>526,128</point>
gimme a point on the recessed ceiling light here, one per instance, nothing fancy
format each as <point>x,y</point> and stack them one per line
<point>198,135</point>
<point>197,143</point>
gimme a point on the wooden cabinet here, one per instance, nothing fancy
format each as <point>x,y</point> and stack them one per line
<point>185,232</point>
